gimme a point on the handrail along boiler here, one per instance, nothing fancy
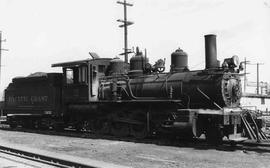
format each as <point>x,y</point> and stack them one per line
<point>105,95</point>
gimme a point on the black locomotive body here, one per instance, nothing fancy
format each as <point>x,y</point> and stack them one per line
<point>106,95</point>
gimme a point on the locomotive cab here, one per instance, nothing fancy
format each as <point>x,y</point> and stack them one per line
<point>80,82</point>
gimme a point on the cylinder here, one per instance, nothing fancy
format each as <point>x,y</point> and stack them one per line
<point>210,51</point>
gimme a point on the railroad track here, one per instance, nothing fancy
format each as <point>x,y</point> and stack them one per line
<point>55,161</point>
<point>198,144</point>
<point>154,140</point>
<point>48,160</point>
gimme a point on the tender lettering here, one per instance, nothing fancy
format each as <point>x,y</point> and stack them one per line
<point>27,99</point>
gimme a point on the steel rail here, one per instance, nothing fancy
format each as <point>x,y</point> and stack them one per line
<point>57,162</point>
<point>73,133</point>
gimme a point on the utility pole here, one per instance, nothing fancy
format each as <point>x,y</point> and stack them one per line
<point>258,76</point>
<point>126,23</point>
<point>245,74</point>
<point>258,81</point>
<point>1,49</point>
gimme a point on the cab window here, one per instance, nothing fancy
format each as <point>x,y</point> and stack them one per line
<point>83,74</point>
<point>69,76</point>
<point>101,68</point>
<point>72,75</point>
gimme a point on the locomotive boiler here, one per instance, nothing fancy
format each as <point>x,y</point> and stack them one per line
<point>109,96</point>
<point>212,88</point>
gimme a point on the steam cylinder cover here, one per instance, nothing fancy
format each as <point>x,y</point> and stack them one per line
<point>138,62</point>
<point>179,60</point>
<point>118,66</point>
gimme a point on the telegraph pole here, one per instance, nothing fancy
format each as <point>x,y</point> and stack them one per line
<point>258,81</point>
<point>0,53</point>
<point>258,76</point>
<point>245,76</point>
<point>1,49</point>
<point>125,24</point>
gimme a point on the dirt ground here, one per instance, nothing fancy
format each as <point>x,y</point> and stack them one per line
<point>140,155</point>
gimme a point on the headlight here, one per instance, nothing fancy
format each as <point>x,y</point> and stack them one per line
<point>235,61</point>
<point>231,62</point>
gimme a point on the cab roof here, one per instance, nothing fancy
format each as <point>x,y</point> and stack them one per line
<point>80,62</point>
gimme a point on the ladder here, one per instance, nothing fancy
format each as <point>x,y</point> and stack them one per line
<point>252,129</point>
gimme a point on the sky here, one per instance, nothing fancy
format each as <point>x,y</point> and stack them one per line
<point>39,33</point>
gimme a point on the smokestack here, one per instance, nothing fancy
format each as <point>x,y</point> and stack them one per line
<point>210,51</point>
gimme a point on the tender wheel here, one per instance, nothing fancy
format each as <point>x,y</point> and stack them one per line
<point>28,125</point>
<point>86,126</point>
<point>13,125</point>
<point>42,124</point>
<point>79,126</point>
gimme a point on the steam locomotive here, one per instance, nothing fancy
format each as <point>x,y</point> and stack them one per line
<point>110,96</point>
